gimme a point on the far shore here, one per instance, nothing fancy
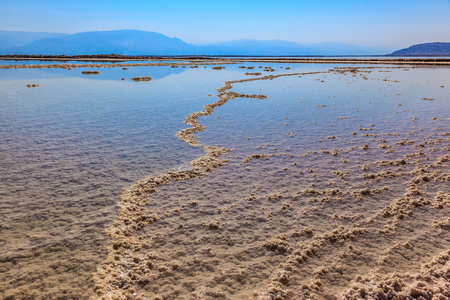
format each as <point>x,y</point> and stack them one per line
<point>119,61</point>
<point>237,58</point>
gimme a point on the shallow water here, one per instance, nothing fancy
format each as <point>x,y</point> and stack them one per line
<point>334,194</point>
<point>68,148</point>
<point>49,62</point>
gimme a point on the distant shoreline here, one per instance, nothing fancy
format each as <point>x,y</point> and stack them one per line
<point>119,61</point>
<point>118,57</point>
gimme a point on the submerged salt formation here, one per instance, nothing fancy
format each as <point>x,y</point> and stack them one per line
<point>328,184</point>
<point>363,215</point>
<point>32,85</point>
<point>68,66</point>
<point>90,72</point>
<point>432,282</point>
<point>144,78</point>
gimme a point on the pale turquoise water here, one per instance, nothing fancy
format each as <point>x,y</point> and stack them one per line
<point>50,62</point>
<point>293,106</point>
<point>67,149</point>
<point>352,149</point>
<point>69,146</point>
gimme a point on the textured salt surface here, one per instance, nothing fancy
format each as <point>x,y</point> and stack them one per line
<point>68,148</point>
<point>318,185</point>
<point>360,214</point>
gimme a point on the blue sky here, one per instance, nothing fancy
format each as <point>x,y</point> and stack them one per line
<point>394,23</point>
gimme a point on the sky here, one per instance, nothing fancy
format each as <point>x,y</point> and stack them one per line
<point>381,23</point>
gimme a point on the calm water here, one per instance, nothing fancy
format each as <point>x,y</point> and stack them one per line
<point>69,146</point>
<point>51,62</point>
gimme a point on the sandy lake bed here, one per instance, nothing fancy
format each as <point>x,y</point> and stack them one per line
<point>317,180</point>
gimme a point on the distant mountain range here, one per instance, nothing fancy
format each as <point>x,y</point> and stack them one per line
<point>286,48</point>
<point>136,42</point>
<point>438,49</point>
<point>125,42</point>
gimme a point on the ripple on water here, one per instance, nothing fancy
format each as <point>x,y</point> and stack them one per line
<point>298,220</point>
<point>337,179</point>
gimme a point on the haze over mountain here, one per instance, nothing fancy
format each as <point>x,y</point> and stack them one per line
<point>279,47</point>
<point>253,47</point>
<point>126,42</point>
<point>135,42</point>
<point>21,38</point>
<point>437,49</point>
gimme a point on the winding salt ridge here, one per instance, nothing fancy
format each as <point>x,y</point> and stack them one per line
<point>362,222</point>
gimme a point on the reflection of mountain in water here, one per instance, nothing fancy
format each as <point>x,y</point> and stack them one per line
<point>113,73</point>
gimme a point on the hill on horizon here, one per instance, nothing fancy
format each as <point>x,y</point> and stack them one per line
<point>125,42</point>
<point>426,49</point>
<point>136,42</point>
